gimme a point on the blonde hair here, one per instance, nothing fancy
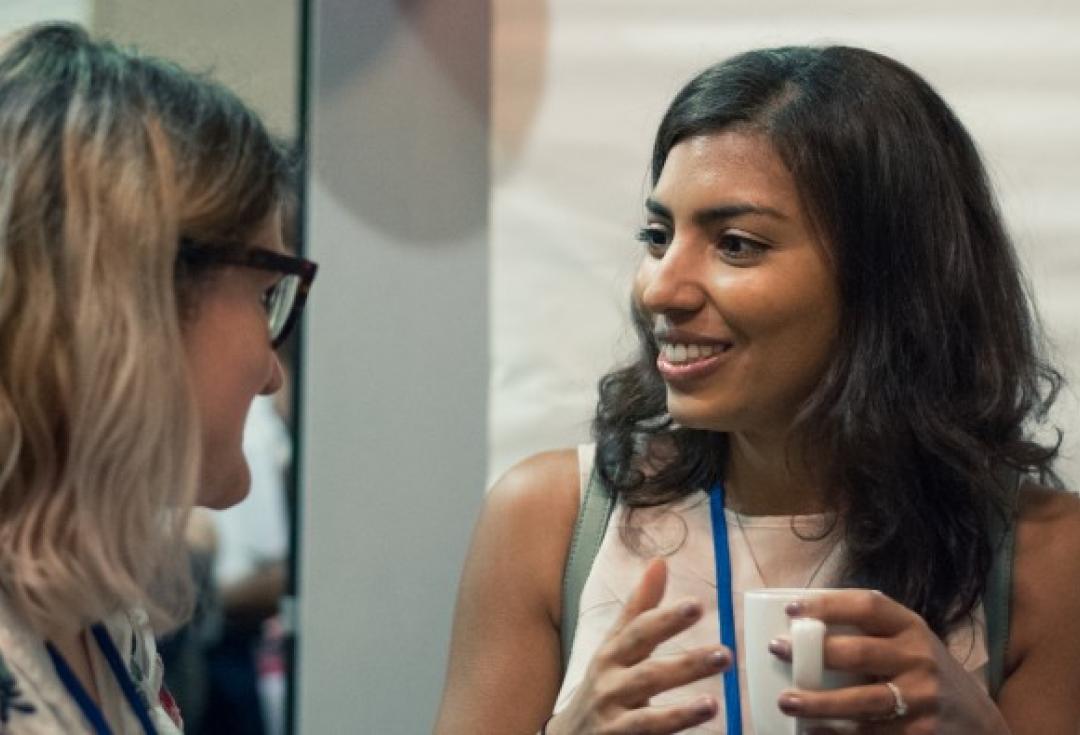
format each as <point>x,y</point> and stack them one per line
<point>106,160</point>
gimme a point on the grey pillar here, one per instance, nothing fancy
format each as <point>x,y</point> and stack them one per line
<point>395,372</point>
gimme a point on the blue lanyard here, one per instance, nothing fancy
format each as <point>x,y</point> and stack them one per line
<point>725,608</point>
<point>86,704</point>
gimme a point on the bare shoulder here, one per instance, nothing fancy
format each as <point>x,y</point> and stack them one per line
<point>523,535</point>
<point>544,483</point>
<point>1044,642</point>
<point>509,601</point>
<point>1048,533</point>
<point>1047,558</point>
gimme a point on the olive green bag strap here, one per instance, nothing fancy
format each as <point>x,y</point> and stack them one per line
<point>592,521</point>
<point>998,594</point>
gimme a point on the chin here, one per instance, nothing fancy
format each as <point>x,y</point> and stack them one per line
<point>220,493</point>
<point>698,414</point>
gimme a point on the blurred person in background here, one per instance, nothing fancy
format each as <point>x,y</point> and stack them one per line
<point>143,287</point>
<point>840,382</point>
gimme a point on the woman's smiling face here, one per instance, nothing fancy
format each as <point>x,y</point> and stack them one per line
<point>739,289</point>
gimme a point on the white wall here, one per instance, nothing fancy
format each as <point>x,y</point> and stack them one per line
<point>395,373</point>
<point>15,14</point>
<point>579,87</point>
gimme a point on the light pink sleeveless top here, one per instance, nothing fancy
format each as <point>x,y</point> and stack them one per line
<point>682,533</point>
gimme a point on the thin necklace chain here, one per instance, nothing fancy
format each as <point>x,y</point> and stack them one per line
<point>757,566</point>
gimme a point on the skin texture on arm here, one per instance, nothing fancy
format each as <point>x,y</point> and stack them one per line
<point>1041,694</point>
<point>505,668</point>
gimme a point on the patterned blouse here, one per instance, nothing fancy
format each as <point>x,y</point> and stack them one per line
<point>34,700</point>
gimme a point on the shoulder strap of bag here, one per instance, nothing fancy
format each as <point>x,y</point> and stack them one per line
<point>997,598</point>
<point>589,530</point>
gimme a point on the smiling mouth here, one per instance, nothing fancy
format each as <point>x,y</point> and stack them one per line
<point>675,353</point>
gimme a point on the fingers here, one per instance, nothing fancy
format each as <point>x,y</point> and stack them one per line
<point>866,702</point>
<point>639,683</point>
<point>877,657</point>
<point>663,720</point>
<point>647,594</point>
<point>640,636</point>
<point>870,611</point>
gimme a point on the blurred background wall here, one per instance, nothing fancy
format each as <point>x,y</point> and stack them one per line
<point>396,354</point>
<point>252,46</point>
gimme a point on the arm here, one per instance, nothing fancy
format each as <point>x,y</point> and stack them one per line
<point>1041,694</point>
<point>505,664</point>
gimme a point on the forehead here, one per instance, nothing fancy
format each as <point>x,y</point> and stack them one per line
<point>728,165</point>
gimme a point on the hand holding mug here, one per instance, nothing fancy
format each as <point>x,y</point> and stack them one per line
<point>622,677</point>
<point>768,626</point>
<point>910,681</point>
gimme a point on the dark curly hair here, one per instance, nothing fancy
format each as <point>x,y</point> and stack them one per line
<point>938,375</point>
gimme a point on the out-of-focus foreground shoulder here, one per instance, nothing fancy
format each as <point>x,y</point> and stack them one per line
<point>1043,661</point>
<point>505,664</point>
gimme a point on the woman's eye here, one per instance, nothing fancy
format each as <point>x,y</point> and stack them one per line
<point>737,247</point>
<point>656,239</point>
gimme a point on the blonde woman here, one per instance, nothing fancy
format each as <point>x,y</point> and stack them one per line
<point>143,288</point>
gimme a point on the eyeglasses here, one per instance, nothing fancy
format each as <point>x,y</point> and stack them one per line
<point>284,300</point>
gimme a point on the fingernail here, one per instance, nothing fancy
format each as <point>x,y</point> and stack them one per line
<point>690,610</point>
<point>706,707</point>
<point>719,659</point>
<point>795,608</point>
<point>790,703</point>
<point>780,648</point>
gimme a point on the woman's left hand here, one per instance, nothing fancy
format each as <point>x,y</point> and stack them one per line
<point>930,693</point>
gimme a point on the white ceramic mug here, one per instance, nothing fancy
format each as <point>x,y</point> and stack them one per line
<point>764,618</point>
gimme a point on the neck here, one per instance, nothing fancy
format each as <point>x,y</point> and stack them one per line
<point>769,475</point>
<point>74,649</point>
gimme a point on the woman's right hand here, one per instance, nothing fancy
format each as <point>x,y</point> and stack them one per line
<point>614,696</point>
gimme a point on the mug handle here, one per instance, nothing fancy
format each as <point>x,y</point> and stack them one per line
<point>808,653</point>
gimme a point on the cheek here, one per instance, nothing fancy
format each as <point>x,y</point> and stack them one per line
<point>797,328</point>
<point>229,365</point>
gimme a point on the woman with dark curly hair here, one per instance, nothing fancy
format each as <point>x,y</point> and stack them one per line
<point>840,363</point>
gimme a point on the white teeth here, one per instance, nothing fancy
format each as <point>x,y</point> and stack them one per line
<point>680,353</point>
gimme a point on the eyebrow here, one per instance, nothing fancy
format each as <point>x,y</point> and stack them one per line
<point>718,213</point>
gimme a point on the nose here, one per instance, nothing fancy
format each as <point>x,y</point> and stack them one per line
<point>672,283</point>
<point>276,378</point>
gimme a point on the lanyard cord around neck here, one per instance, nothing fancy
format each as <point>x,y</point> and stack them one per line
<point>86,704</point>
<point>725,608</point>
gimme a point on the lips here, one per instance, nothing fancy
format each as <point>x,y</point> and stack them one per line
<point>682,363</point>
